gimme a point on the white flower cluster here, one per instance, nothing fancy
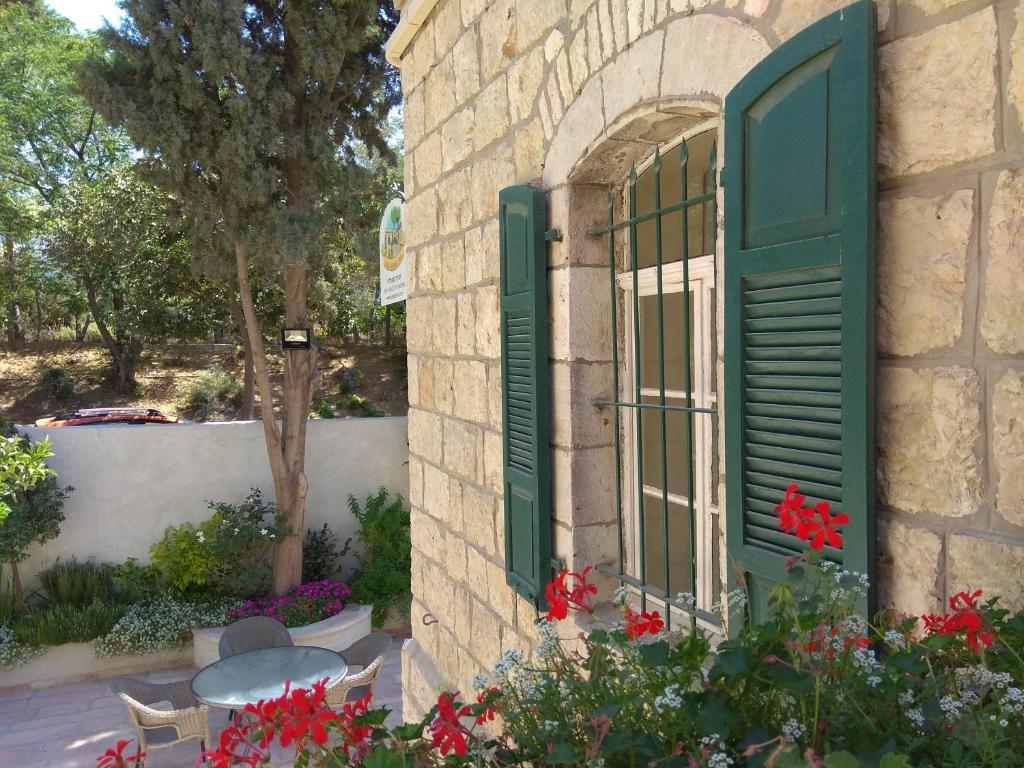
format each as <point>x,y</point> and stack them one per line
<point>672,698</point>
<point>864,659</point>
<point>12,652</point>
<point>792,731</point>
<point>510,660</point>
<point>895,639</point>
<point>980,676</point>
<point>164,622</point>
<point>1012,703</point>
<point>906,698</point>
<point>955,707</point>
<point>916,716</point>
<point>736,600</point>
<point>548,638</point>
<point>717,757</point>
<point>480,681</point>
<point>621,595</point>
<point>847,586</point>
<point>686,601</point>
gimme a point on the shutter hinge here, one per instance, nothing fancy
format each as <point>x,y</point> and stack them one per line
<point>553,234</point>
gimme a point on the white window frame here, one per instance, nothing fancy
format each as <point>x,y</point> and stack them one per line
<point>702,283</point>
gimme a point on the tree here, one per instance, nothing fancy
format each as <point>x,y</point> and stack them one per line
<point>251,109</point>
<point>112,233</point>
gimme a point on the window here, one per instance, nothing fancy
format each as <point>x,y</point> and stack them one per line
<point>666,386</point>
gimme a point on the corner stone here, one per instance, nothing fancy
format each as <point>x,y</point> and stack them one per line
<point>908,568</point>
<point>989,565</point>
<point>1002,319</point>
<point>1008,445</point>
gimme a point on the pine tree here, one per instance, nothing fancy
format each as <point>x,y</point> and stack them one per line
<point>249,110</point>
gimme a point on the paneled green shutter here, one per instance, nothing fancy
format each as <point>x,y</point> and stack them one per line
<point>524,392</point>
<point>799,178</point>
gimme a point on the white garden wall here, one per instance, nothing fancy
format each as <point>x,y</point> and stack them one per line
<point>131,482</point>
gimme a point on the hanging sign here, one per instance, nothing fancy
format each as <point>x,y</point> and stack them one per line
<point>393,285</point>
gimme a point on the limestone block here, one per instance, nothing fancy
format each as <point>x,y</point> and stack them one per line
<point>494,394</point>
<point>937,96</point>
<point>422,209</point>
<point>927,7</point>
<point>444,320</point>
<point>578,66</point>
<point>732,49</point>
<point>491,249</point>
<point>412,117</point>
<point>439,94</point>
<point>488,631</point>
<point>575,421</point>
<point>534,19</point>
<point>491,113</point>
<point>494,459</point>
<point>419,314</point>
<point>454,147</point>
<point>478,513</point>
<point>620,23</point>
<point>524,81</point>
<point>553,44</point>
<point>908,569</point>
<point>436,496</point>
<point>418,58</point>
<point>756,8</point>
<point>795,15</point>
<point>498,30</point>
<point>425,435</point>
<point>929,426</point>
<point>444,385</point>
<point>455,201</point>
<point>577,335</point>
<point>460,448</point>
<point>474,257</point>
<point>528,152</point>
<point>471,9</point>
<point>415,481</point>
<point>1002,319</point>
<point>501,597</point>
<point>455,562</point>
<point>452,266</point>
<point>488,322</point>
<point>575,209</point>
<point>991,565</point>
<point>425,377</point>
<point>922,271</point>
<point>476,566</point>
<point>634,20</point>
<point>466,333</point>
<point>580,128</point>
<point>1008,445</point>
<point>491,174</point>
<point>471,391</point>
<point>607,27</point>
<point>577,9</point>
<point>427,537</point>
<point>564,78</point>
<point>556,104</point>
<point>429,159</point>
<point>595,56</point>
<point>412,368</point>
<point>639,65</point>
<point>1016,74</point>
<point>446,19</point>
<point>583,481</point>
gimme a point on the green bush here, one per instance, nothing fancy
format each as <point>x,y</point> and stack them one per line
<point>61,624</point>
<point>134,583</point>
<point>75,583</point>
<point>383,578</point>
<point>324,410</point>
<point>161,623</point>
<point>56,384</point>
<point>320,554</point>
<point>228,554</point>
<point>214,392</point>
<point>12,652</point>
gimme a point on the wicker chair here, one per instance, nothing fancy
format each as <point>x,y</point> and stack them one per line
<point>367,653</point>
<point>158,728</point>
<point>252,634</point>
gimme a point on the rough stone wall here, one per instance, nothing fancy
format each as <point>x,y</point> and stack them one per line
<point>565,94</point>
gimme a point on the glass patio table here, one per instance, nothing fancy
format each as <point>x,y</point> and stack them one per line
<point>247,678</point>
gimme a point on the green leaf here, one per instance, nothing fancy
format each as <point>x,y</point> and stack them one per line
<point>717,714</point>
<point>655,654</point>
<point>561,754</point>
<point>382,757</point>
<point>895,760</point>
<point>841,760</point>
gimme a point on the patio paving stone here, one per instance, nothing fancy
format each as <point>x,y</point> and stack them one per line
<point>69,726</point>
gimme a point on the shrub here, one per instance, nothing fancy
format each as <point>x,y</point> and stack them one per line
<point>324,410</point>
<point>320,554</point>
<point>56,384</point>
<point>383,577</point>
<point>134,583</point>
<point>80,584</point>
<point>161,623</point>
<point>61,624</point>
<point>214,392</point>
<point>229,553</point>
<point>13,652</point>
<point>304,604</point>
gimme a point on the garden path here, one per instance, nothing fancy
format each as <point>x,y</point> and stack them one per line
<point>69,726</point>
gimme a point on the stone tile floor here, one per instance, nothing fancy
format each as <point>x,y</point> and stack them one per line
<point>70,726</point>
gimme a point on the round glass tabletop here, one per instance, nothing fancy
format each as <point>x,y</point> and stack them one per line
<point>247,678</point>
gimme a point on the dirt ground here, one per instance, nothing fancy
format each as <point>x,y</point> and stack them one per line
<point>166,373</point>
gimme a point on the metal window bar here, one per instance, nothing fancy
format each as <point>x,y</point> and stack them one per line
<point>661,406</point>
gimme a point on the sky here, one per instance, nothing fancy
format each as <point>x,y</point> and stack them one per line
<point>87,14</point>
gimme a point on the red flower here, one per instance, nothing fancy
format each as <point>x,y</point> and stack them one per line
<point>486,698</point>
<point>639,624</point>
<point>356,735</point>
<point>115,757</point>
<point>799,520</point>
<point>561,597</point>
<point>965,617</point>
<point>820,641</point>
<point>447,732</point>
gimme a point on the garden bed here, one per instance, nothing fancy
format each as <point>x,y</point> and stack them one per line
<point>336,633</point>
<point>77,662</point>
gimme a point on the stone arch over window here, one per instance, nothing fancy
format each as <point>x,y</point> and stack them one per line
<point>666,83</point>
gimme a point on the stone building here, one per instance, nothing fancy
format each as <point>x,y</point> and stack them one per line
<point>564,97</point>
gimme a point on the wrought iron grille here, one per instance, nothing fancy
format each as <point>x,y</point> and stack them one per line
<point>640,580</point>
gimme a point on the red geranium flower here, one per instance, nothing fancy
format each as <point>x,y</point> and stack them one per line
<point>801,521</point>
<point>965,618</point>
<point>561,597</point>
<point>447,731</point>
<point>791,510</point>
<point>639,624</point>
<point>485,698</point>
<point>115,757</point>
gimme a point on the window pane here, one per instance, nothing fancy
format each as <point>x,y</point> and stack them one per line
<point>673,316</point>
<point>678,543</point>
<point>675,441</point>
<point>699,224</point>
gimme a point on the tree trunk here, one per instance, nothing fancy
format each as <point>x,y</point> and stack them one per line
<point>15,333</point>
<point>286,445</point>
<point>82,329</point>
<point>19,593</point>
<point>248,406</point>
<point>124,364</point>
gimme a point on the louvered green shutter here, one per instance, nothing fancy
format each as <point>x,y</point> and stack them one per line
<point>524,392</point>
<point>799,178</point>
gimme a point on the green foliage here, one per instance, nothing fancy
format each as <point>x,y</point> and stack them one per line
<point>320,554</point>
<point>324,410</point>
<point>22,468</point>
<point>360,405</point>
<point>12,651</point>
<point>78,584</point>
<point>161,623</point>
<point>215,391</point>
<point>56,384</point>
<point>229,553</point>
<point>134,583</point>
<point>383,578</point>
<point>61,624</point>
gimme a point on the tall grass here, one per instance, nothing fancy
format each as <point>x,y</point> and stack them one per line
<point>61,624</point>
<point>78,584</point>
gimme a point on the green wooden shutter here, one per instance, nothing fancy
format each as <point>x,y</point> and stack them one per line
<point>799,178</point>
<point>524,392</point>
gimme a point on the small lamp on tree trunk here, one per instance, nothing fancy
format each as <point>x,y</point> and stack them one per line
<point>296,338</point>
